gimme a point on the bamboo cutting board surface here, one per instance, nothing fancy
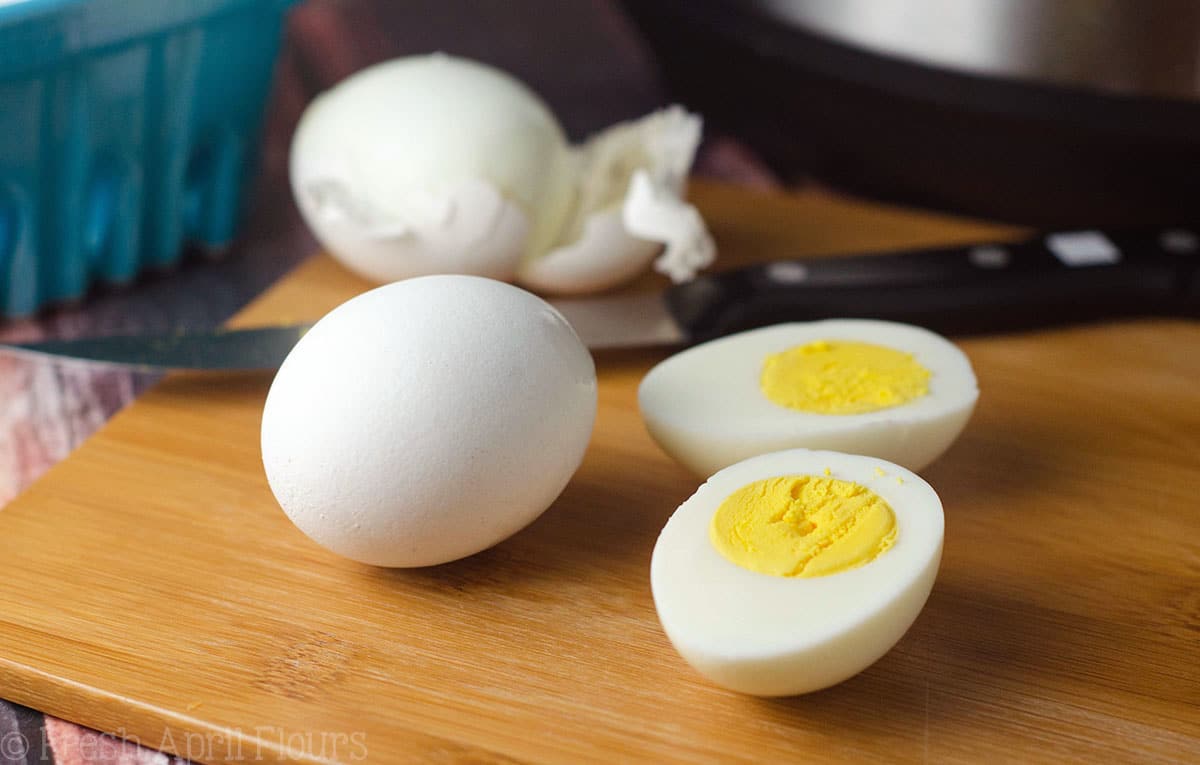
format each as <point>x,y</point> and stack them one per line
<point>181,609</point>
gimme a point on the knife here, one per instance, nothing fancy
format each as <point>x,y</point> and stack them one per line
<point>1053,278</point>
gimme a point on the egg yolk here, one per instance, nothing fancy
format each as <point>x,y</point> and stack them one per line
<point>840,377</point>
<point>803,526</point>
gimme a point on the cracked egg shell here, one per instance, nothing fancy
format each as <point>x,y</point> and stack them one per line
<point>431,164</point>
<point>436,164</point>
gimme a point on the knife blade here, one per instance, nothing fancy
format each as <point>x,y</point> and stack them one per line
<point>231,350</point>
<point>1051,278</point>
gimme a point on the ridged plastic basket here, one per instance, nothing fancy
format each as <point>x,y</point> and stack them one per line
<point>128,129</point>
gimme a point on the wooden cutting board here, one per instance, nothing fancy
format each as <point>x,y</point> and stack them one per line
<point>177,605</point>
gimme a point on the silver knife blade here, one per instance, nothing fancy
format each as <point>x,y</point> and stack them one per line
<point>1048,278</point>
<point>622,321</point>
<point>614,321</point>
<point>216,350</point>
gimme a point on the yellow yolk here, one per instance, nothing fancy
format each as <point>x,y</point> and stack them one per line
<point>841,377</point>
<point>802,525</point>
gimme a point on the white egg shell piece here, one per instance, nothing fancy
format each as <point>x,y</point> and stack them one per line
<point>705,407</point>
<point>470,229</point>
<point>778,636</point>
<point>603,256</point>
<point>427,420</point>
<point>628,207</point>
<point>431,164</point>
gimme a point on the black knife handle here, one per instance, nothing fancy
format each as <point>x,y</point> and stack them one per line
<point>1049,279</point>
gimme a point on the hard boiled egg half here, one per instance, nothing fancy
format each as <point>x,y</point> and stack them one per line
<point>888,390</point>
<point>792,571</point>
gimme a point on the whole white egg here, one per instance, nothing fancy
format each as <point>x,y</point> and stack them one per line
<point>888,390</point>
<point>786,632</point>
<point>427,420</point>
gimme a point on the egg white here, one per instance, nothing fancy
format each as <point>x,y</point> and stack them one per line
<point>776,636</point>
<point>437,164</point>
<point>705,406</point>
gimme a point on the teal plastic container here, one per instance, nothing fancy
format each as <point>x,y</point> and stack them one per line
<point>128,129</point>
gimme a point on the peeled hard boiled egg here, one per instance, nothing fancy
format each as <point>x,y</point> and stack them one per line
<point>436,164</point>
<point>792,571</point>
<point>878,388</point>
<point>428,419</point>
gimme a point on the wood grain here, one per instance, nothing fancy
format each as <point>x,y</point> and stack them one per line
<point>181,609</point>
